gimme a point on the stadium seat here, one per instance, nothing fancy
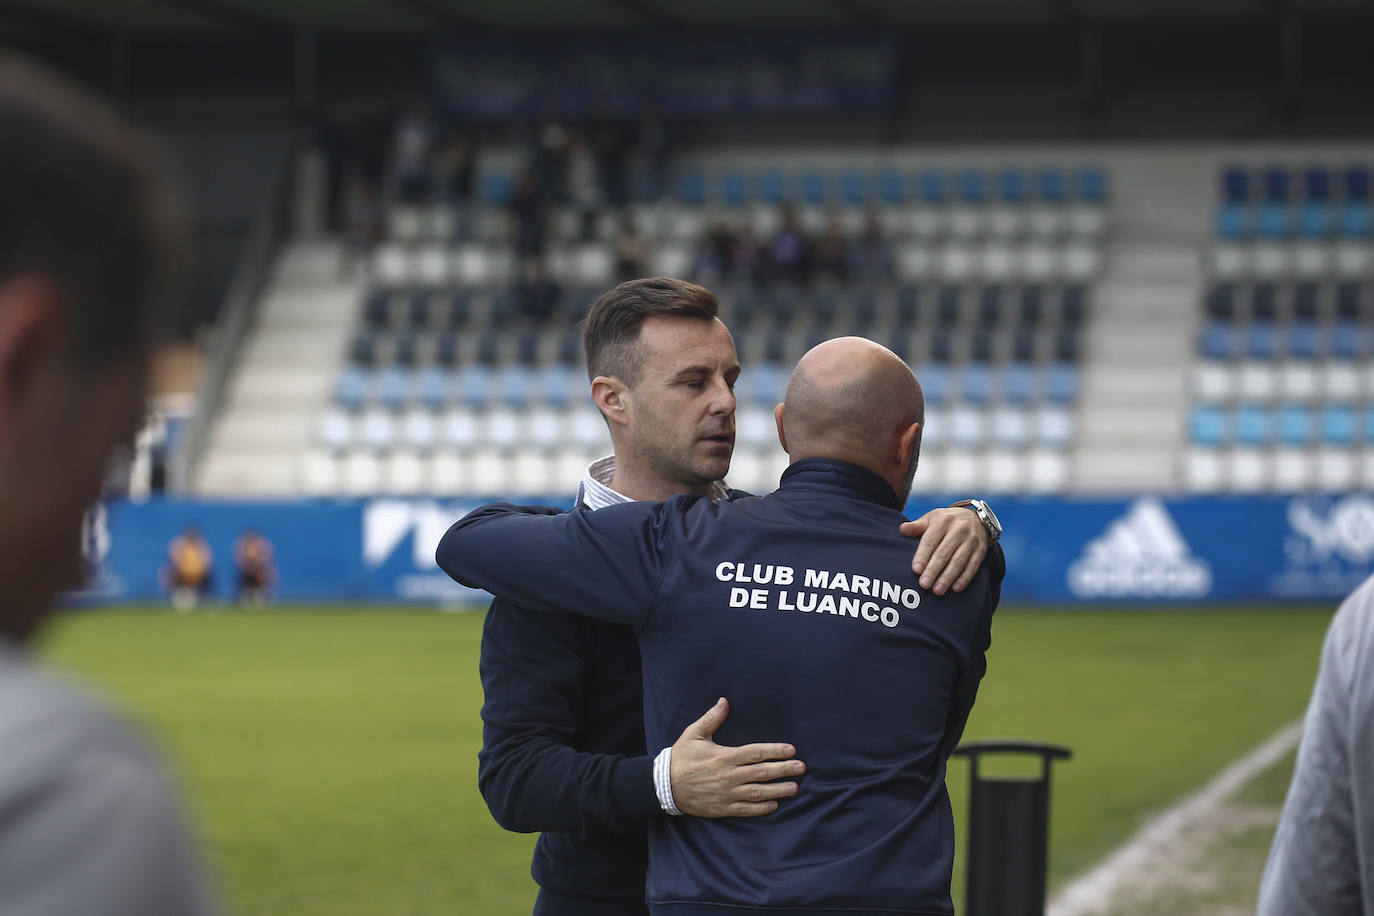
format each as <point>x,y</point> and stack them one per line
<point>1356,220</point>
<point>763,384</point>
<point>531,472</point>
<point>1302,342</point>
<point>1050,185</point>
<point>335,431</point>
<point>891,188</point>
<point>853,188</point>
<point>755,428</point>
<point>968,427</point>
<point>1341,381</point>
<point>1011,426</point>
<point>975,383</point>
<point>1293,470</point>
<point>941,345</point>
<point>1316,183</point>
<point>489,473</point>
<point>1349,300</point>
<point>1004,470</point>
<point>1019,383</point>
<point>1091,184</point>
<point>407,349</point>
<point>1278,183</point>
<point>1213,380</point>
<point>981,347</point>
<point>1235,184</point>
<point>419,430</point>
<point>1264,301</point>
<point>1046,471</point>
<point>1208,426</point>
<point>1295,425</point>
<point>1233,222</point>
<point>1336,470</point>
<point>1257,380</point>
<point>1248,470</point>
<point>1306,301</point>
<point>1218,341</point>
<point>1253,425</point>
<point>586,429</point>
<point>1204,470</point>
<point>376,309</point>
<point>1061,384</point>
<point>318,474</point>
<point>474,386</point>
<point>514,385</point>
<point>544,429</point>
<point>361,473</point>
<point>1053,427</point>
<point>932,187</point>
<point>445,474</point>
<point>1299,381</point>
<point>1261,340</point>
<point>814,188</point>
<point>402,474</point>
<point>691,188</point>
<point>934,379</point>
<point>393,387</point>
<point>1343,340</point>
<point>1356,180</point>
<point>351,389</point>
<point>1272,222</point>
<point>377,430</point>
<point>1315,220</point>
<point>363,349</point>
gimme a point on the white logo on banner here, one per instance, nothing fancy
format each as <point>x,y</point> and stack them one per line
<point>1346,531</point>
<point>1140,555</point>
<point>387,522</point>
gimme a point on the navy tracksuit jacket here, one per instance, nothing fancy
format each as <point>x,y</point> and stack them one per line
<point>801,608</point>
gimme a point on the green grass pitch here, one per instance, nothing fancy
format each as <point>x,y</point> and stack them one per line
<point>329,755</point>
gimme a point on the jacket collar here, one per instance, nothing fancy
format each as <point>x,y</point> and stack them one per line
<point>840,477</point>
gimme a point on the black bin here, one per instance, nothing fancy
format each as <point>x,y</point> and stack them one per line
<point>1008,832</point>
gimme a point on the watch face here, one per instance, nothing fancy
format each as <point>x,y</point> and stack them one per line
<point>992,516</point>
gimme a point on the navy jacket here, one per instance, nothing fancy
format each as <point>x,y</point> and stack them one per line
<point>802,608</point>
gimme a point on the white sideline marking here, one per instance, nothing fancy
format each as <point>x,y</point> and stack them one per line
<point>1093,890</point>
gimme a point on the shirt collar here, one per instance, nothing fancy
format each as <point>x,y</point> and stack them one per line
<point>595,491</point>
<point>828,473</point>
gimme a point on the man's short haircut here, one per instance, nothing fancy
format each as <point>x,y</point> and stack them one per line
<point>610,332</point>
<point>84,203</point>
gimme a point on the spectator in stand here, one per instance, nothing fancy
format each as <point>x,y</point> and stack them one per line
<point>455,173</point>
<point>788,256</point>
<point>744,255</point>
<point>538,294</point>
<point>411,149</point>
<point>257,574</point>
<point>713,253</point>
<point>831,260</point>
<point>584,186</point>
<point>531,217</point>
<point>190,565</point>
<point>870,257</point>
<point>631,254</point>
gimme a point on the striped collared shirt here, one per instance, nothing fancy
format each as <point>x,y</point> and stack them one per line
<point>595,492</point>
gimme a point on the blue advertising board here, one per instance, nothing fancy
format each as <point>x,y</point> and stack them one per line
<point>1059,550</point>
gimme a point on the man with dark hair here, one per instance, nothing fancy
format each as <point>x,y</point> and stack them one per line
<point>800,606</point>
<point>564,749</point>
<point>88,240</point>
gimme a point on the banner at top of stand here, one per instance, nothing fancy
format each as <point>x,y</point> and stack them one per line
<point>1059,550</point>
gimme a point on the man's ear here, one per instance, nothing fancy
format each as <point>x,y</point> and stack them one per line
<point>611,396</point>
<point>31,318</point>
<point>782,436</point>
<point>908,445</point>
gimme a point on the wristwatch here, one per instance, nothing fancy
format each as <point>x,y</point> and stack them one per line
<point>985,515</point>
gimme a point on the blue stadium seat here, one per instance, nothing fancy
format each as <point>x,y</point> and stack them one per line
<point>853,188</point>
<point>772,187</point>
<point>1235,184</point>
<point>775,345</point>
<point>813,188</point>
<point>1357,183</point>
<point>459,309</point>
<point>352,387</point>
<point>1316,183</point>
<point>1023,344</point>
<point>1233,222</point>
<point>891,188</point>
<point>908,305</point>
<point>1368,413</point>
<point>1018,383</point>
<point>732,189</point>
<point>824,304</point>
<point>570,347</point>
<point>1061,383</point>
<point>1031,307</point>
<point>990,306</point>
<point>1011,186</point>
<point>515,386</point>
<point>1261,340</point>
<point>1207,426</point>
<point>527,347</point>
<point>1066,344</point>
<point>432,387</point>
<point>1295,425</point>
<point>407,348</point>
<point>972,186</point>
<point>1073,305</point>
<point>783,303</point>
<point>418,309</point>
<point>1264,301</point>
<point>505,307</point>
<point>363,349</point>
<point>865,306</point>
<point>764,384</point>
<point>948,304</point>
<point>1092,184</point>
<point>691,187</point>
<point>1356,220</point>
<point>474,386</point>
<point>1338,424</point>
<point>1217,340</point>
<point>933,187</point>
<point>393,387</point>
<point>934,379</point>
<point>376,309</point>
<point>1221,302</point>
<point>446,350</point>
<point>1278,184</point>
<point>941,345</point>
<point>1254,425</point>
<point>1306,301</point>
<point>554,385</point>
<point>981,346</point>
<point>1349,300</point>
<point>975,383</point>
<point>497,188</point>
<point>1272,222</point>
<point>1344,340</point>
<point>489,348</point>
<point>1051,185</point>
<point>1302,340</point>
<point>1314,220</point>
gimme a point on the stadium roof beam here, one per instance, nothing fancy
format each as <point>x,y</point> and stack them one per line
<point>232,14</point>
<point>442,14</point>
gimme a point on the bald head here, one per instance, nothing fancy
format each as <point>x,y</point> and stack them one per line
<point>854,400</point>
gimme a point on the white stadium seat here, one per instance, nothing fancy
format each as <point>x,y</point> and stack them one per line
<point>1341,381</point>
<point>966,222</point>
<point>361,473</point>
<point>501,428</point>
<point>1204,470</point>
<point>489,473</point>
<point>1047,472</point>
<point>1047,223</point>
<point>1087,220</point>
<point>925,222</point>
<point>459,430</point>
<point>405,224</point>
<point>1299,381</point>
<point>1311,260</point>
<point>1006,222</point>
<point>446,473</point>
<point>319,473</point>
<point>755,427</point>
<point>392,266</point>
<point>1271,260</point>
<point>964,471</point>
<point>378,430</point>
<point>1337,470</point>
<point>403,473</point>
<point>336,430</point>
<point>955,262</point>
<point>433,267</point>
<point>532,472</point>
<point>1213,381</point>
<point>587,430</point>
<point>419,430</point>
<point>1230,262</point>
<point>1293,469</point>
<point>1352,259</point>
<point>1257,380</point>
<point>1005,471</point>
<point>1248,470</point>
<point>914,262</point>
<point>672,260</point>
<point>544,429</point>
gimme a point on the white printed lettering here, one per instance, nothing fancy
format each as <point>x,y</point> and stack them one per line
<point>739,597</point>
<point>869,610</point>
<point>817,578</point>
<point>758,600</point>
<point>890,617</point>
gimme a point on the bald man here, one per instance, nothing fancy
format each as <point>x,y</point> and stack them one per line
<point>800,607</point>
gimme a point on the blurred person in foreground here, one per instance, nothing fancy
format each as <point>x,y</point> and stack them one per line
<point>257,573</point>
<point>801,606</point>
<point>563,723</point>
<point>1322,860</point>
<point>89,822</point>
<point>190,564</point>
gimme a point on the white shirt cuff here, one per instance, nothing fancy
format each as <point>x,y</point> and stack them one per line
<point>663,781</point>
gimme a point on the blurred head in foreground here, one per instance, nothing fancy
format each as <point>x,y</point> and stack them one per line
<point>853,400</point>
<point>89,240</point>
<point>663,370</point>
